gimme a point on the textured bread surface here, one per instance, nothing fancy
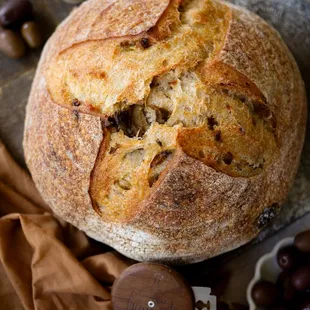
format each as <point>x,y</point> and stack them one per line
<point>170,130</point>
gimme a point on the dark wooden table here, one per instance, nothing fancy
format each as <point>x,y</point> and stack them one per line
<point>16,77</point>
<point>290,17</point>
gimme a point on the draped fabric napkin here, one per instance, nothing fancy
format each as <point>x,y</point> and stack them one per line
<point>45,262</point>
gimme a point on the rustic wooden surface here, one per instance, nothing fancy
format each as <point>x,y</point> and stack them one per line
<point>290,17</point>
<point>16,77</point>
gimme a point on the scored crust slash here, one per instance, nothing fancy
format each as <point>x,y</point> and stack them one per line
<point>171,130</point>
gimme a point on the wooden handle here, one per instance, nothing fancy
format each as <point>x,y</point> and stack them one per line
<point>151,286</point>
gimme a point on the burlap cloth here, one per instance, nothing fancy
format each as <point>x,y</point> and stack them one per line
<point>45,262</point>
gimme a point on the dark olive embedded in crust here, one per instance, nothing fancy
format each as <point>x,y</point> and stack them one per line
<point>145,42</point>
<point>160,158</point>
<point>228,158</point>
<point>212,122</point>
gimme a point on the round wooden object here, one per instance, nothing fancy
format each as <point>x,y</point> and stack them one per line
<point>150,286</point>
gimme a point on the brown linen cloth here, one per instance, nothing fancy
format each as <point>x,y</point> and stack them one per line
<point>45,262</point>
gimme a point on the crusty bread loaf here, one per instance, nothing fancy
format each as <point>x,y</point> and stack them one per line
<point>170,130</point>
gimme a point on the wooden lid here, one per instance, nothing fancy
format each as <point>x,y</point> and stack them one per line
<point>151,286</point>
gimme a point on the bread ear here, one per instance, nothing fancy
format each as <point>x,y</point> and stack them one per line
<point>107,19</point>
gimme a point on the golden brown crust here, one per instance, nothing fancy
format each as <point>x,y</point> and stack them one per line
<point>200,206</point>
<point>223,76</point>
<point>104,19</point>
<point>64,145</point>
<point>122,72</point>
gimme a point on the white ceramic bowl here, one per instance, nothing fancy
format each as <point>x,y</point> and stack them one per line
<point>267,269</point>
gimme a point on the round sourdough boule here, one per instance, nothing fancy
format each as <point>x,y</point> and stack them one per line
<point>170,130</point>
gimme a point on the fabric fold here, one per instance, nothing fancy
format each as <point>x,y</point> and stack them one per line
<point>45,262</point>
